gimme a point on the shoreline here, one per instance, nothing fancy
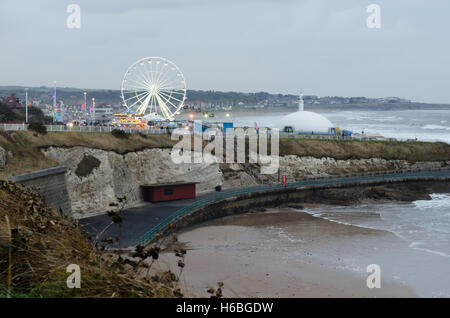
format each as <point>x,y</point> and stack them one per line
<point>242,252</point>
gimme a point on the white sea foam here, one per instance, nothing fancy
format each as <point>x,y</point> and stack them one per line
<point>430,126</point>
<point>437,201</point>
<point>424,224</point>
<point>415,245</point>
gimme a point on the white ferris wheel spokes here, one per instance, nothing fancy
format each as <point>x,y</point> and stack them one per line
<point>154,86</point>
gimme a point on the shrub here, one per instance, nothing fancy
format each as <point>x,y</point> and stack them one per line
<point>119,133</point>
<point>42,243</point>
<point>6,114</point>
<point>87,165</point>
<point>37,127</point>
<point>37,114</point>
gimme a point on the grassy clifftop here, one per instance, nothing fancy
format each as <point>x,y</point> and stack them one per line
<point>352,149</point>
<point>25,147</point>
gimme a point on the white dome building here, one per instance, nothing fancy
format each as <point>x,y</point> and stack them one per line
<point>305,122</point>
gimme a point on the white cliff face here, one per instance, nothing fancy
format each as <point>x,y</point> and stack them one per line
<point>300,167</point>
<point>121,175</point>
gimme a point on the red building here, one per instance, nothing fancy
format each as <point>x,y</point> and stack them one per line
<point>168,191</point>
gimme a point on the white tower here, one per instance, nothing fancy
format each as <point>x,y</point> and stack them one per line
<point>301,103</point>
<point>85,103</point>
<point>26,105</point>
<point>54,102</point>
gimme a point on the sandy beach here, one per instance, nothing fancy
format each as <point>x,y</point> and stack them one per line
<point>284,253</point>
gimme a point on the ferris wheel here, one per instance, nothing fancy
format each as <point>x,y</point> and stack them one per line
<point>154,87</point>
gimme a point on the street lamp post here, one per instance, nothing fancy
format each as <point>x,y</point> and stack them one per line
<point>85,105</point>
<point>54,102</point>
<point>93,109</point>
<point>26,105</point>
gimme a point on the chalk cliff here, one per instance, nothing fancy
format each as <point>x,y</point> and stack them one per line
<point>121,175</point>
<point>109,175</point>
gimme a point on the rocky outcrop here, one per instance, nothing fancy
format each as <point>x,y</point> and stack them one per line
<point>296,167</point>
<point>121,175</point>
<point>2,157</point>
<point>96,178</point>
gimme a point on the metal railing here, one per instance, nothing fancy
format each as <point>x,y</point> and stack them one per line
<point>312,182</point>
<point>86,129</point>
<point>315,136</point>
<point>105,129</point>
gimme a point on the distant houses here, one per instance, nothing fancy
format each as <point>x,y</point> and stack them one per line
<point>12,102</point>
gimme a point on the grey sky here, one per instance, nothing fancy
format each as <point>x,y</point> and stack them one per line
<point>323,47</point>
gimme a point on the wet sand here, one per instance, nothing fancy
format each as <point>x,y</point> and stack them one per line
<point>282,253</point>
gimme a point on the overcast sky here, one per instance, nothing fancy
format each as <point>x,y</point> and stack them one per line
<point>323,47</point>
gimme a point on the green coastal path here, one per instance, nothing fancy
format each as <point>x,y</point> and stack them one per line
<point>363,179</point>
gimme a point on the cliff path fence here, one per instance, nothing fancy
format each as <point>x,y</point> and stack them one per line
<point>86,129</point>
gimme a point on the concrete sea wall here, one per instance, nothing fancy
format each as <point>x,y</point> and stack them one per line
<point>51,184</point>
<point>408,190</point>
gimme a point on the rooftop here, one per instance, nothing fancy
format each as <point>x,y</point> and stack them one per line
<point>158,185</point>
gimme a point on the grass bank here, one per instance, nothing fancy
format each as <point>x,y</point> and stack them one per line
<point>25,147</point>
<point>353,149</point>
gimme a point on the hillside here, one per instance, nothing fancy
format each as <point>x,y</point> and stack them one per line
<point>37,244</point>
<point>218,98</point>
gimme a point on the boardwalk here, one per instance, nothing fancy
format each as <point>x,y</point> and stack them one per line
<point>141,224</point>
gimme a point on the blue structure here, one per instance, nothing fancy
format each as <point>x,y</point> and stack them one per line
<point>346,133</point>
<point>227,126</point>
<point>200,127</point>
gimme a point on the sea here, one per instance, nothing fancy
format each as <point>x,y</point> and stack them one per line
<point>423,124</point>
<point>423,225</point>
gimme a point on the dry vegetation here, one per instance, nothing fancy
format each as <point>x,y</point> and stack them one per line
<point>25,147</point>
<point>23,155</point>
<point>105,141</point>
<point>352,149</point>
<point>37,244</point>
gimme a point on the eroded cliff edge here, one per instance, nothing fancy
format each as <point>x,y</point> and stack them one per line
<point>115,175</point>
